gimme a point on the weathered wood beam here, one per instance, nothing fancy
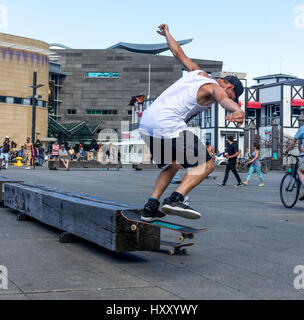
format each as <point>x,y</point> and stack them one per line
<point>83,165</point>
<point>2,181</point>
<point>91,218</point>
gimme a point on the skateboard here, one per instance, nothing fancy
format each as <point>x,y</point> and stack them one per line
<point>176,247</point>
<point>185,231</point>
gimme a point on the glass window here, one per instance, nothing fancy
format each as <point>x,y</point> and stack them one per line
<point>10,100</point>
<point>296,111</point>
<point>102,112</point>
<point>208,137</point>
<point>27,102</point>
<point>18,101</point>
<point>72,111</point>
<point>251,113</point>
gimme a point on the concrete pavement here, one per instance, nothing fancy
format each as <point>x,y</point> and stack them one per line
<point>250,251</point>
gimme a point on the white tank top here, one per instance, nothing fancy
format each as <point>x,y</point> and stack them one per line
<point>170,112</point>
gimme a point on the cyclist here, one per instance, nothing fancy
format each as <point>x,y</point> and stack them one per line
<point>299,136</point>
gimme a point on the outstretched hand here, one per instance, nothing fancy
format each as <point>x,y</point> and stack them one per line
<point>237,116</point>
<point>163,29</point>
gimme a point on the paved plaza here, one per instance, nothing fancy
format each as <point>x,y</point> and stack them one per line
<point>250,251</point>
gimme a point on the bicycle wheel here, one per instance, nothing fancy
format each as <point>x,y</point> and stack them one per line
<point>265,168</point>
<point>243,167</point>
<point>289,191</point>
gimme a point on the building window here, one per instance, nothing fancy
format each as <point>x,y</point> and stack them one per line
<point>208,138</point>
<point>10,100</point>
<point>71,111</point>
<point>271,112</point>
<point>27,102</point>
<point>22,101</point>
<point>251,113</point>
<point>102,112</point>
<point>195,122</point>
<point>94,112</point>
<point>18,101</point>
<point>296,111</point>
<point>109,112</point>
<point>208,118</point>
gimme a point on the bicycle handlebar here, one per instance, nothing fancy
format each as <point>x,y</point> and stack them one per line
<point>293,156</point>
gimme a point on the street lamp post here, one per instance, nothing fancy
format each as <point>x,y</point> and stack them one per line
<point>34,106</point>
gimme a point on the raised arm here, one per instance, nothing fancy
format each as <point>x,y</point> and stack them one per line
<point>176,49</point>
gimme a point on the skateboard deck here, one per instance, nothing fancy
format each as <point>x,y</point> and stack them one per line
<point>185,231</point>
<point>176,247</point>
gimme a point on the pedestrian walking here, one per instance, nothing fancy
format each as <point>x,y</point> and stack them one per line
<point>255,165</point>
<point>5,154</point>
<point>40,155</point>
<point>28,147</point>
<point>233,153</point>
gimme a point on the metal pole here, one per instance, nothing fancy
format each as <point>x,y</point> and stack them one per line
<point>34,106</point>
<point>149,89</point>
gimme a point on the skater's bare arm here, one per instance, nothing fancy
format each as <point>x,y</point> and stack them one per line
<point>176,49</point>
<point>237,114</point>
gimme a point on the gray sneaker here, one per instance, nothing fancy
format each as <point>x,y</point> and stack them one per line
<point>178,208</point>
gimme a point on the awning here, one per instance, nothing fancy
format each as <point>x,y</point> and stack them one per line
<point>297,102</point>
<point>254,105</point>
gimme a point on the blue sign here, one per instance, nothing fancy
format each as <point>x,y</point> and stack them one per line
<point>103,75</point>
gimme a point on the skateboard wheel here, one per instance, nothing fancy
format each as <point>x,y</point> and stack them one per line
<point>171,252</point>
<point>134,227</point>
<point>181,238</point>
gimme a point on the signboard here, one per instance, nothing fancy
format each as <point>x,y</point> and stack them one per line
<point>102,75</point>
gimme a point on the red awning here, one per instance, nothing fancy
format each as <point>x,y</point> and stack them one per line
<point>297,103</point>
<point>254,105</point>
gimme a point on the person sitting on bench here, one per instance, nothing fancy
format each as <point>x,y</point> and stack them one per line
<point>63,156</point>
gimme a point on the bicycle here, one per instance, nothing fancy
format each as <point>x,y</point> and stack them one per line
<point>290,185</point>
<point>242,165</point>
<point>264,166</point>
<point>244,168</point>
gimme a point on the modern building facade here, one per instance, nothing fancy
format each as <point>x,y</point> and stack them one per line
<point>99,84</point>
<point>19,58</point>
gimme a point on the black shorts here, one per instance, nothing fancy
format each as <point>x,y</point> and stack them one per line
<point>187,150</point>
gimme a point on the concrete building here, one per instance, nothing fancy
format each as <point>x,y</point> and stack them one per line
<point>18,59</point>
<point>99,84</point>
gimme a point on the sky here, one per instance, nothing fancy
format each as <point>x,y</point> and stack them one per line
<point>256,37</point>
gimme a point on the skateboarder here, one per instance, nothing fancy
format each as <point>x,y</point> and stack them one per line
<point>164,130</point>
